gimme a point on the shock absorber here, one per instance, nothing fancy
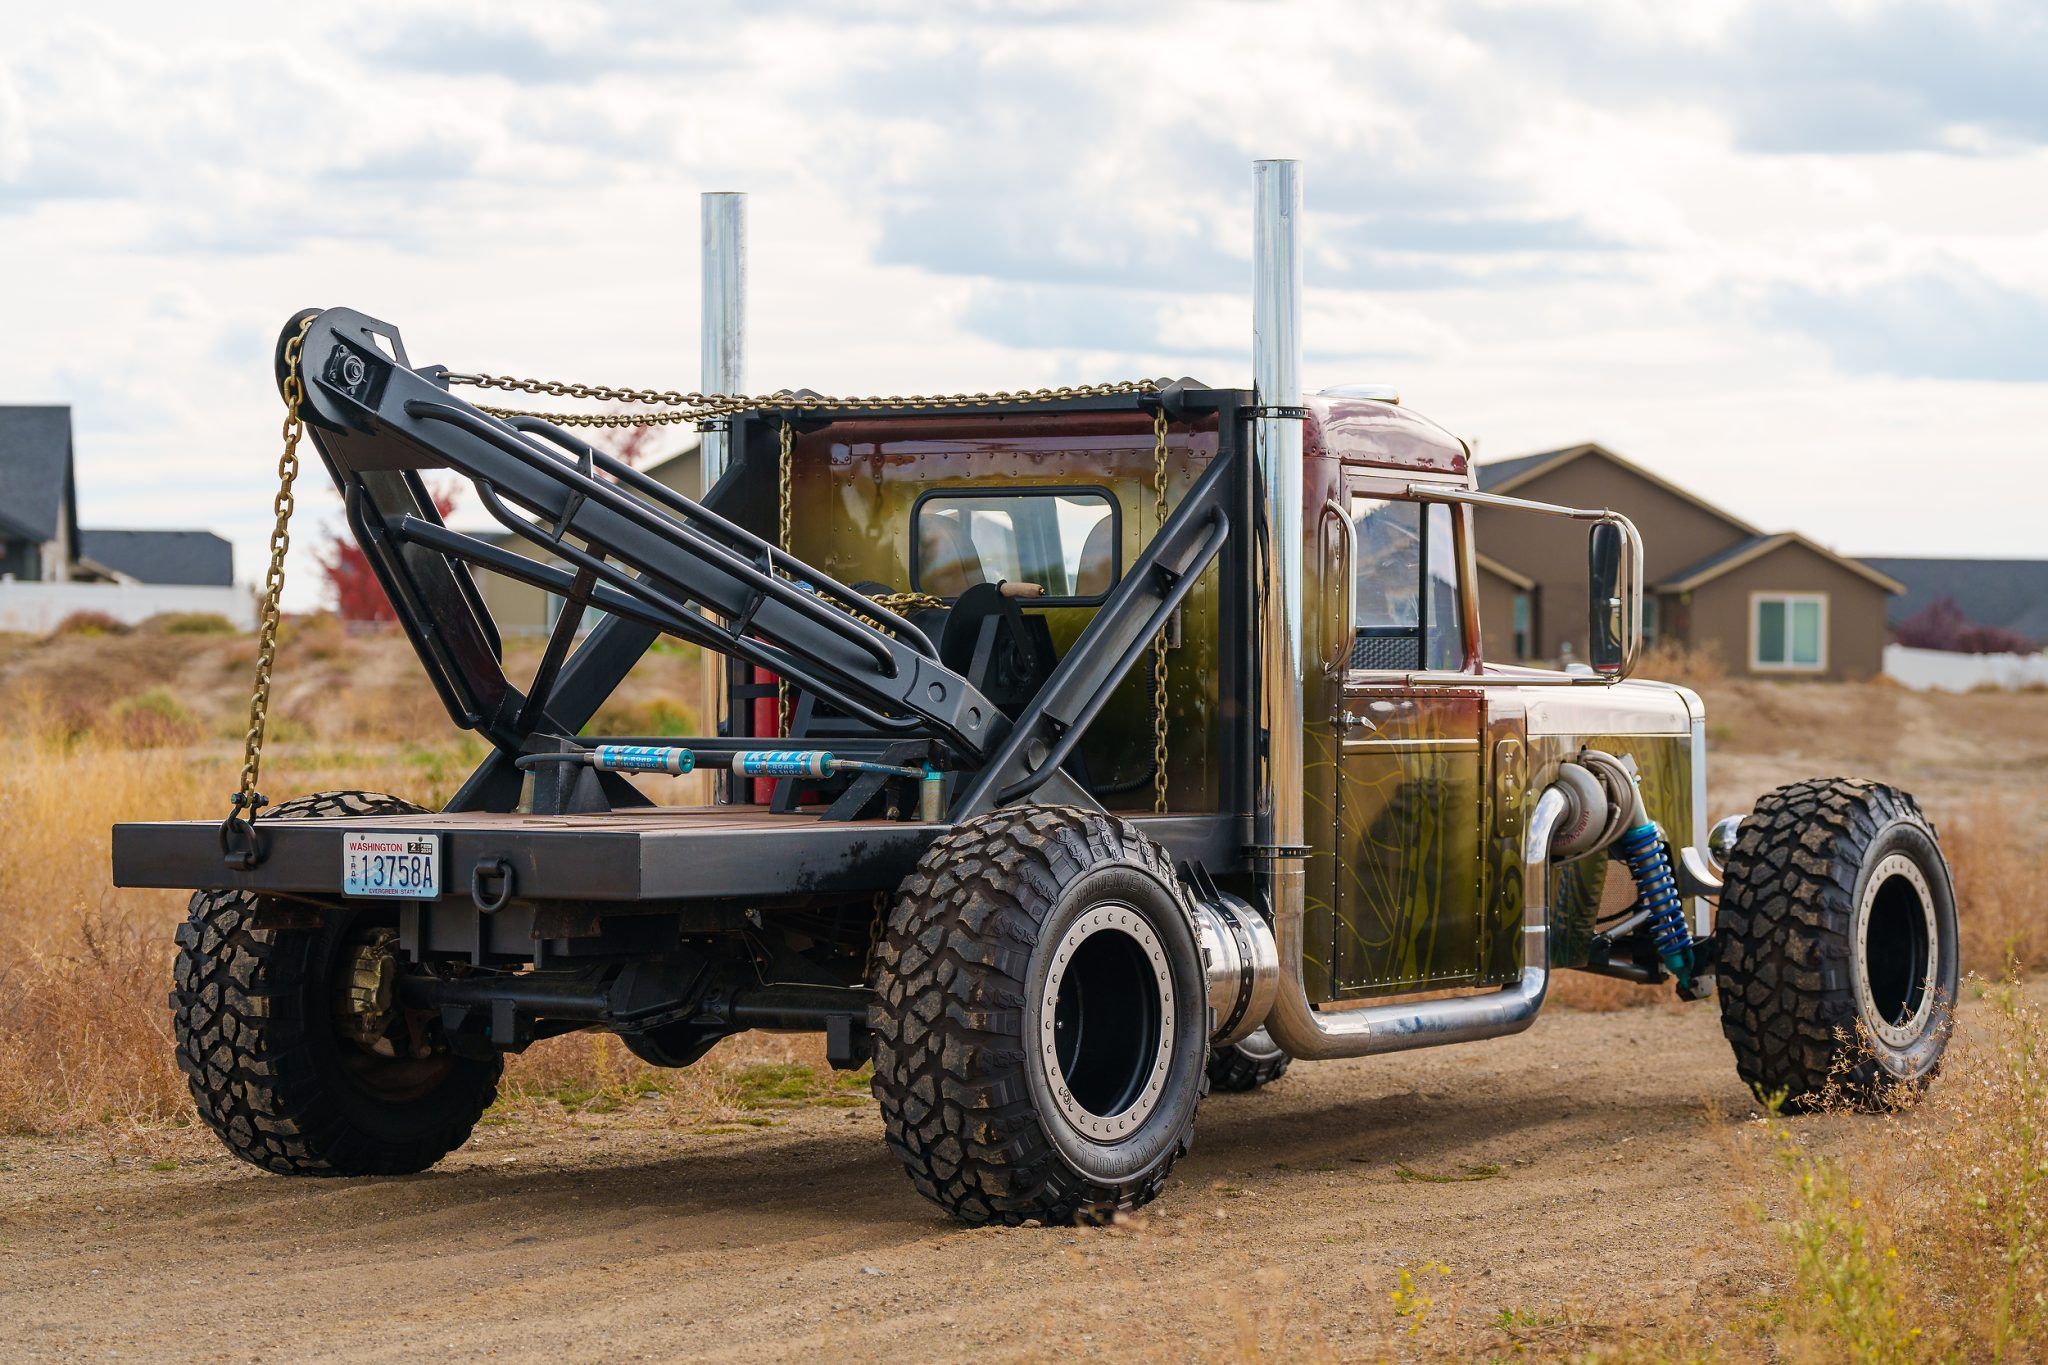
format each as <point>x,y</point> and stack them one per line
<point>1649,862</point>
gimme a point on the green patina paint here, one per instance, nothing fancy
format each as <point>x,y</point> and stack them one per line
<point>851,504</point>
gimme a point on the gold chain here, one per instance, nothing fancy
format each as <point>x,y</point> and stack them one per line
<point>1159,640</point>
<point>696,407</point>
<point>900,602</point>
<point>246,797</point>
<point>782,484</point>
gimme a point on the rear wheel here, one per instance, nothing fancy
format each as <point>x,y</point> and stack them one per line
<point>1838,968</point>
<point>290,1034</point>
<point>1247,1064</point>
<point>1040,1019</point>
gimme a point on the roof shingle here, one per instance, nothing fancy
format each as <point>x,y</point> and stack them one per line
<point>187,558</point>
<point>2012,593</point>
<point>35,457</point>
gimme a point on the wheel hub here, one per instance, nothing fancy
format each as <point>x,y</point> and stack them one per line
<point>1896,951</point>
<point>1106,1022</point>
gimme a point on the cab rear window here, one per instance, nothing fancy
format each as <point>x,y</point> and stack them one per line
<point>1063,539</point>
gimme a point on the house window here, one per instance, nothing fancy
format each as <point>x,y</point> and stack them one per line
<point>1407,612</point>
<point>1788,631</point>
<point>1524,646</point>
<point>1650,620</point>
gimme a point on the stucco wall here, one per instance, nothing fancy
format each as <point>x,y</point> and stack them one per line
<point>1855,624</point>
<point>1676,535</point>
<point>38,608</point>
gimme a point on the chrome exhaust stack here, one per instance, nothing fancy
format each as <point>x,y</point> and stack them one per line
<point>1279,826</point>
<point>722,353</point>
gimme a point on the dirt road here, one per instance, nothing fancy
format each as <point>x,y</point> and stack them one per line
<point>1539,1186</point>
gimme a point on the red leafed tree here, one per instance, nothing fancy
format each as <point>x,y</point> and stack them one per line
<point>352,588</point>
<point>631,445</point>
<point>1942,625</point>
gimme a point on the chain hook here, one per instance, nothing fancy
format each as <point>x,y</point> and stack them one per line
<point>240,844</point>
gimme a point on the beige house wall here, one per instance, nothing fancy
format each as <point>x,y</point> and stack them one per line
<point>1853,630</point>
<point>1677,533</point>
<point>1497,616</point>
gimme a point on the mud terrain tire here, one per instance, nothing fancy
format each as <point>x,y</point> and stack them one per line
<point>1837,930</point>
<point>270,1071</point>
<point>1040,1019</point>
<point>1247,1065</point>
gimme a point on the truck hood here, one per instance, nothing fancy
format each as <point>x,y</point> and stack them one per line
<point>1635,707</point>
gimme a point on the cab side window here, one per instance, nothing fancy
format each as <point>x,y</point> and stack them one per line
<point>1408,614</point>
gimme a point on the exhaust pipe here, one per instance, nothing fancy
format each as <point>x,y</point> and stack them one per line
<point>722,322</point>
<point>1280,830</point>
<point>1303,1031</point>
<point>722,352</point>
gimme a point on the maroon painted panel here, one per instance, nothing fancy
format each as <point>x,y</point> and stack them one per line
<point>1367,431</point>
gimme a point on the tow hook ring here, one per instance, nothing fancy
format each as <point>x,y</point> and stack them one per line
<point>242,848</point>
<point>486,869</point>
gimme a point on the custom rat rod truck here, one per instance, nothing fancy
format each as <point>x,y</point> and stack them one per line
<point>1073,754</point>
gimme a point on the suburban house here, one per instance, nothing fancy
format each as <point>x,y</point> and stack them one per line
<point>2011,594</point>
<point>1772,604</point>
<point>50,567</point>
<point>521,608</point>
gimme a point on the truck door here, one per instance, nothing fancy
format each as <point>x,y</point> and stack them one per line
<point>1408,904</point>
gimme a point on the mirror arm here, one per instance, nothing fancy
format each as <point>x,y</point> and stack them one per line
<point>1633,556</point>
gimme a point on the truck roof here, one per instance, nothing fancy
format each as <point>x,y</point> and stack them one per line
<point>1377,431</point>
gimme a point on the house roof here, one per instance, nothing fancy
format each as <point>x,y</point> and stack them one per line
<point>187,558</point>
<point>2012,593</point>
<point>35,465</point>
<point>1505,574</point>
<point>1756,547</point>
<point>1504,476</point>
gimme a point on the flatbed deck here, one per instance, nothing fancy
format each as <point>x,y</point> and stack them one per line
<point>658,853</point>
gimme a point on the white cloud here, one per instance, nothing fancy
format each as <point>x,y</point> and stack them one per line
<point>1645,225</point>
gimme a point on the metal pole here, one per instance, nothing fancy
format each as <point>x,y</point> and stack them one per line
<point>722,345</point>
<point>722,331</point>
<point>1276,445</point>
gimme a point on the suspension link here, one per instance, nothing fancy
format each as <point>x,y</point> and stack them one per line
<point>1159,641</point>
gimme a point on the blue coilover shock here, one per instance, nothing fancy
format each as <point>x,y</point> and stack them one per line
<point>1649,862</point>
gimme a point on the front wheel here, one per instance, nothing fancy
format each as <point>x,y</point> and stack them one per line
<point>291,1037</point>
<point>1040,1019</point>
<point>1838,968</point>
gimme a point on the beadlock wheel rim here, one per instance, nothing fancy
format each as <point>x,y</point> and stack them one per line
<point>1898,952</point>
<point>1106,1022</point>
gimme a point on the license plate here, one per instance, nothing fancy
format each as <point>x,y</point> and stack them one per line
<point>407,866</point>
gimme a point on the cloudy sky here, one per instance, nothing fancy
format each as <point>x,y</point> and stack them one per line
<point>1791,256</point>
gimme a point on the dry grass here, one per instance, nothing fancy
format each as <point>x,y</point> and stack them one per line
<point>1999,873</point>
<point>1929,1239</point>
<point>1670,661</point>
<point>143,725</point>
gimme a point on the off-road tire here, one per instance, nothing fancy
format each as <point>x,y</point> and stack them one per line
<point>972,1109</point>
<point>1791,1003</point>
<point>252,1013</point>
<point>1247,1065</point>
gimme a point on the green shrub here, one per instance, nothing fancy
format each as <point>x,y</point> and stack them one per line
<point>659,718</point>
<point>91,623</point>
<point>193,623</point>
<point>154,720</point>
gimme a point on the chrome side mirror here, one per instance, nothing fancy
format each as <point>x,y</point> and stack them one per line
<point>1614,613</point>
